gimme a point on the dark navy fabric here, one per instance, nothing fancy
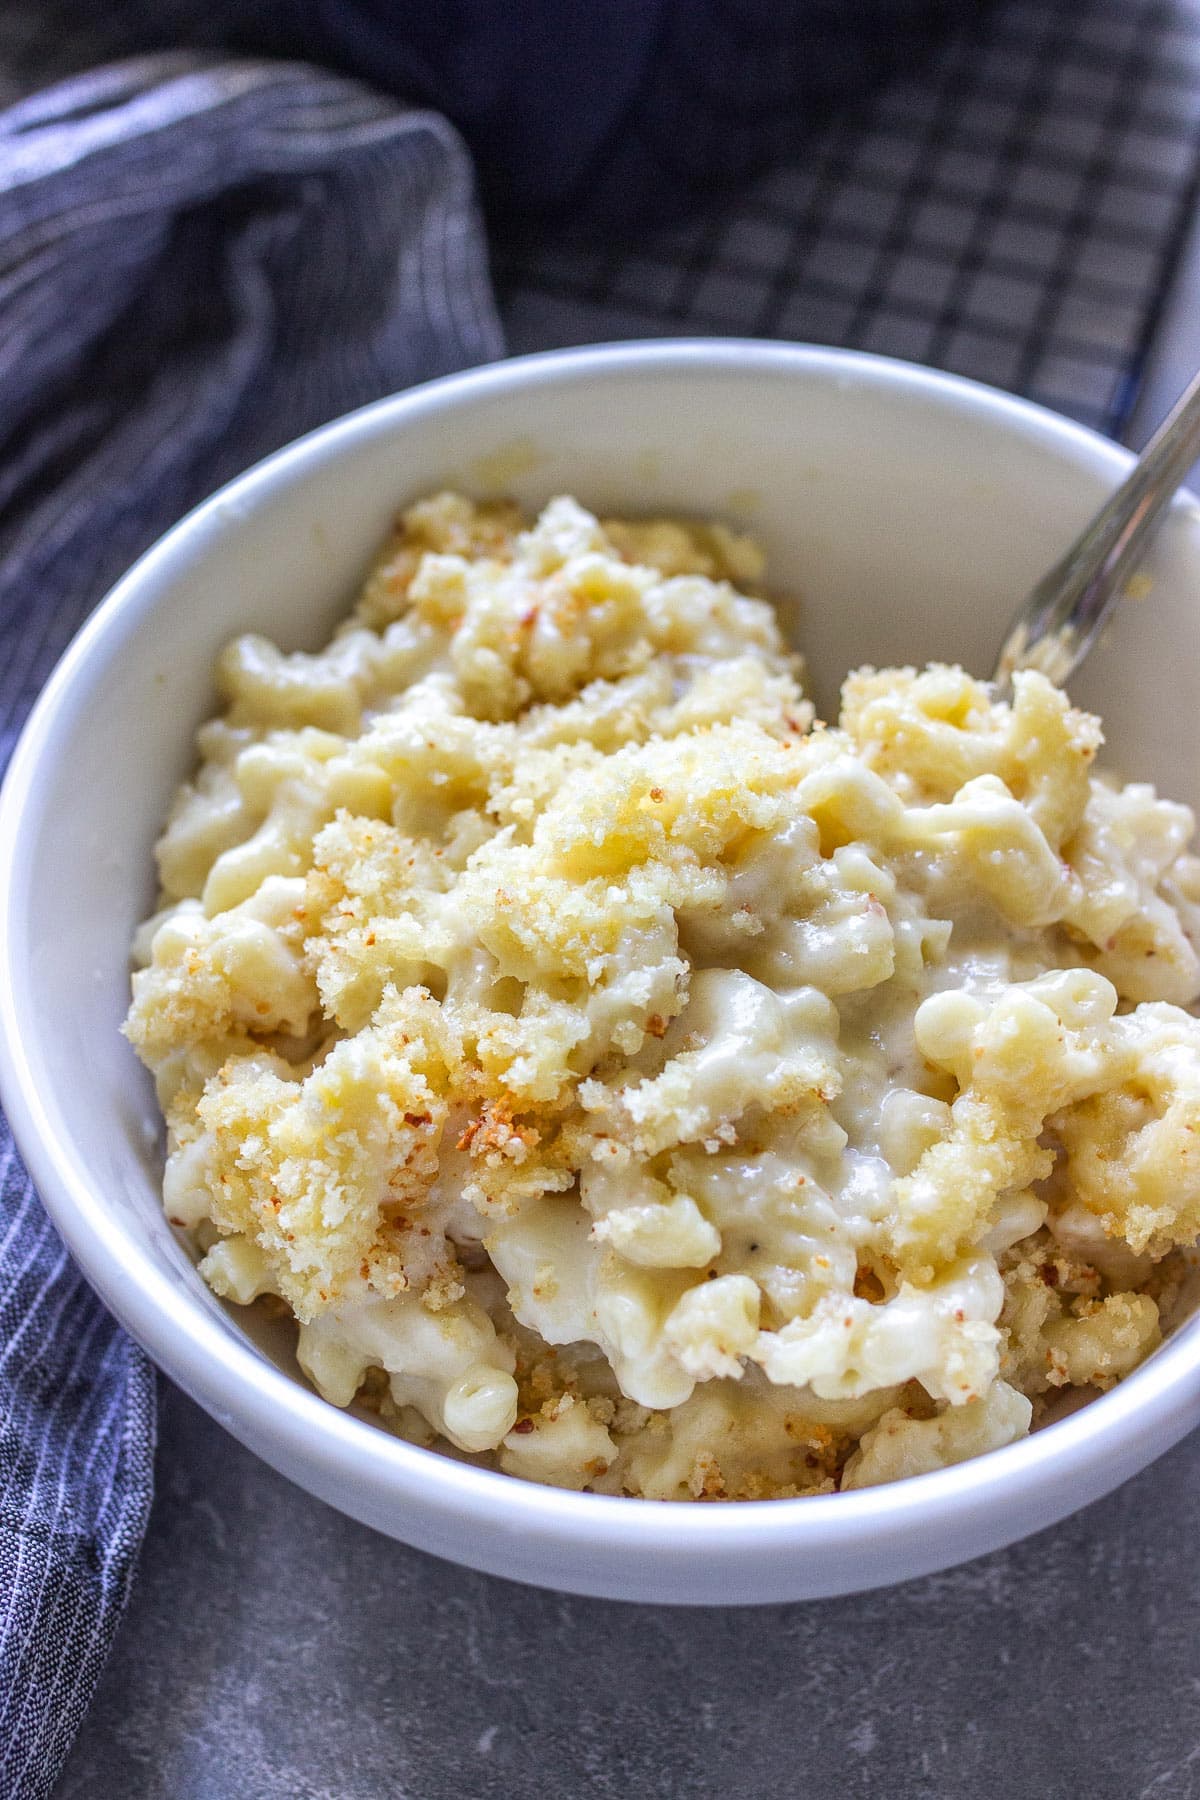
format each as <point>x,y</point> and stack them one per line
<point>622,111</point>
<point>603,113</point>
<point>199,258</point>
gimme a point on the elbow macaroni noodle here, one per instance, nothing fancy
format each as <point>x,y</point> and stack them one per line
<point>632,1082</point>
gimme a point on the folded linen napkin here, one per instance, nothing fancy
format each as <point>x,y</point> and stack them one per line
<point>200,257</point>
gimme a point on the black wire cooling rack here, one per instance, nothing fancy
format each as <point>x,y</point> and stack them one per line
<point>1015,213</point>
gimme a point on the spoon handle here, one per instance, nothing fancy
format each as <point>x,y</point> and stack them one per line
<point>1061,618</point>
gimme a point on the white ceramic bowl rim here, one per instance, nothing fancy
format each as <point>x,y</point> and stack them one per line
<point>232,1376</point>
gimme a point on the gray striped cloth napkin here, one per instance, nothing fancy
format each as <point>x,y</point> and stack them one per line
<point>200,257</point>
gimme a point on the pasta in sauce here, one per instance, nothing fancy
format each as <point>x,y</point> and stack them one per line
<point>630,1082</point>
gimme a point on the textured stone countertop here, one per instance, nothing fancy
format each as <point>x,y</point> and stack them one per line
<point>274,1650</point>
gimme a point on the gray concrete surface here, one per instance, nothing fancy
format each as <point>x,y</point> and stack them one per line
<point>276,1651</point>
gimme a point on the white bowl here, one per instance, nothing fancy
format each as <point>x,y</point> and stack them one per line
<point>910,510</point>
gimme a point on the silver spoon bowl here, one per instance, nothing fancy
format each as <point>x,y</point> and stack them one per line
<point>1061,618</point>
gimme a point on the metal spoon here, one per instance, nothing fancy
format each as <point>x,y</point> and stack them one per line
<point>1061,619</point>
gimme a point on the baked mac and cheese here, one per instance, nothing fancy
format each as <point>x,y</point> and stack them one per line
<point>631,1081</point>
